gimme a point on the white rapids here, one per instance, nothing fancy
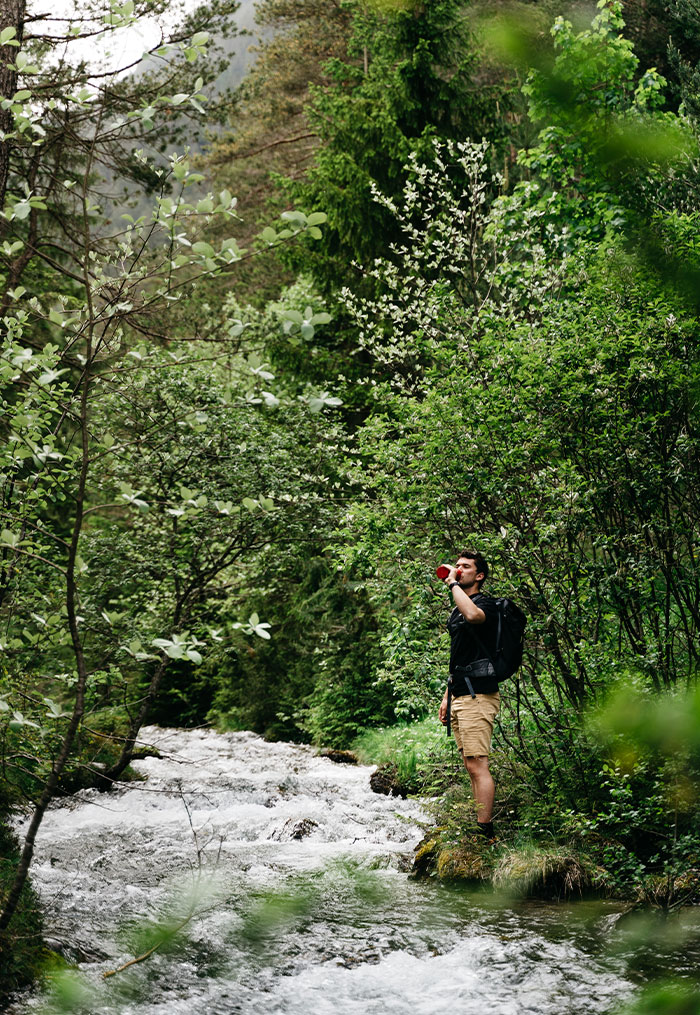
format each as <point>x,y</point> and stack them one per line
<point>287,878</point>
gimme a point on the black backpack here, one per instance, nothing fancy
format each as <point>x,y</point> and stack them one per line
<point>510,638</point>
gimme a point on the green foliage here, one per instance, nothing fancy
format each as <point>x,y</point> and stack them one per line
<point>409,77</point>
<point>119,532</point>
<point>668,998</point>
<point>22,954</point>
<point>186,526</point>
<point>315,677</point>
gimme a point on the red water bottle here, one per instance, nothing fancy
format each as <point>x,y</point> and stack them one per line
<point>443,571</point>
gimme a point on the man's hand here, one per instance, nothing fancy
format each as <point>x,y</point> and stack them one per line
<point>442,711</point>
<point>452,575</point>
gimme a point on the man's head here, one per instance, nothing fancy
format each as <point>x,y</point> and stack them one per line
<point>474,568</point>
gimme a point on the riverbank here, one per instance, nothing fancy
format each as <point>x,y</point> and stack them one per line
<point>614,843</point>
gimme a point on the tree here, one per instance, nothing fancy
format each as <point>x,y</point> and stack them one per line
<point>94,313</point>
<point>539,404</point>
<point>411,75</point>
<point>269,133</point>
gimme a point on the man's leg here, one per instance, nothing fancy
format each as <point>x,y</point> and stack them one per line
<point>483,786</point>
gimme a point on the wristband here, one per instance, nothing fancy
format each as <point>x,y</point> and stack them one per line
<point>452,585</point>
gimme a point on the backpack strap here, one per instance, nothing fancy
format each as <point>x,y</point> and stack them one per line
<point>472,671</point>
<point>483,648</point>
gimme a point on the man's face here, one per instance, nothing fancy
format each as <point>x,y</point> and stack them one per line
<point>470,575</point>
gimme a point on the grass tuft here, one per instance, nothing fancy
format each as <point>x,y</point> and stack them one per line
<point>425,759</point>
<point>545,871</point>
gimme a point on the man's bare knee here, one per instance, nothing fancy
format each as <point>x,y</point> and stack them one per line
<point>476,763</point>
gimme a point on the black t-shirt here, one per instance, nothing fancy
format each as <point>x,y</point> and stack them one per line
<point>465,648</point>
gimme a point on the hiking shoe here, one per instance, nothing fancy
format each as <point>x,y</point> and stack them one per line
<point>485,828</point>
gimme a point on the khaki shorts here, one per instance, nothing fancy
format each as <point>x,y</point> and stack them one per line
<point>472,722</point>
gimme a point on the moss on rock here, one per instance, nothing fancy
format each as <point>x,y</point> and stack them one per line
<point>386,780</point>
<point>425,858</point>
<point>469,862</point>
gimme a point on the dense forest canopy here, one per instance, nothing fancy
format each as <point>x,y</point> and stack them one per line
<point>427,279</point>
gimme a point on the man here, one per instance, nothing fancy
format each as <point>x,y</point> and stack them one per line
<point>473,627</point>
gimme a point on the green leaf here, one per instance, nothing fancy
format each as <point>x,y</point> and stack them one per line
<point>297,218</point>
<point>20,210</point>
<point>261,631</point>
<point>203,248</point>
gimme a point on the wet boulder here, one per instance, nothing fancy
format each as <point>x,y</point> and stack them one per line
<point>340,757</point>
<point>386,780</point>
<point>424,860</point>
<point>295,829</point>
<point>470,860</point>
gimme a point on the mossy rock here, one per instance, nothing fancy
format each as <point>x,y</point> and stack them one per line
<point>425,858</point>
<point>340,757</point>
<point>471,861</point>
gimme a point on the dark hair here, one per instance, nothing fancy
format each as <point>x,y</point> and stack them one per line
<point>481,563</point>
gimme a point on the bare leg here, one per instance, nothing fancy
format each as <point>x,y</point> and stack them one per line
<point>483,786</point>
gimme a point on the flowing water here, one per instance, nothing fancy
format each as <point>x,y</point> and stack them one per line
<point>287,877</point>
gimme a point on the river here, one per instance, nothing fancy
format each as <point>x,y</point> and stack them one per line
<point>289,876</point>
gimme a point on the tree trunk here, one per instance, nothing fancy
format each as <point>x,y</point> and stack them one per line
<point>12,14</point>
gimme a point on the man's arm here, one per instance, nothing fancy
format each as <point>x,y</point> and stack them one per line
<point>469,610</point>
